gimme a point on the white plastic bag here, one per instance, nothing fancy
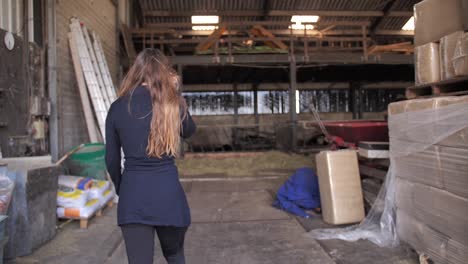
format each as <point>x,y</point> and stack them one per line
<point>6,190</point>
<point>106,197</point>
<point>98,188</point>
<point>84,212</point>
<point>76,182</point>
<point>69,197</point>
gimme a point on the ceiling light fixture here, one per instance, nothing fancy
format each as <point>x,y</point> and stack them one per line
<point>209,21</point>
<point>300,22</point>
<point>409,25</point>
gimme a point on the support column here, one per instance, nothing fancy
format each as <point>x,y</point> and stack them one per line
<point>235,104</point>
<point>181,145</point>
<point>236,115</point>
<point>52,79</point>
<point>292,102</point>
<point>355,99</point>
<point>255,91</point>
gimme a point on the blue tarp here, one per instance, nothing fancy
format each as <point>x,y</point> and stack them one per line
<point>299,193</point>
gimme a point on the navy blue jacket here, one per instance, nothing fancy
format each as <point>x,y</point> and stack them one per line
<point>149,189</point>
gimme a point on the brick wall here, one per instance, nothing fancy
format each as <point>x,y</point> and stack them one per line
<point>99,16</point>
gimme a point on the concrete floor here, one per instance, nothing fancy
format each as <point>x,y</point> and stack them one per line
<point>233,222</point>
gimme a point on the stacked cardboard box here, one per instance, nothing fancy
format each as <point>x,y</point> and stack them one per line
<point>432,183</point>
<point>438,21</point>
<point>340,187</point>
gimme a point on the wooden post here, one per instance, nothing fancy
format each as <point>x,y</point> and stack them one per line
<point>236,107</point>
<point>306,45</point>
<point>355,99</point>
<point>292,102</point>
<point>236,115</point>
<point>364,42</point>
<point>255,90</point>
<point>230,58</point>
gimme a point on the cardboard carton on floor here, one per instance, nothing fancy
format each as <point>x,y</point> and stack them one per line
<point>441,210</point>
<point>439,247</point>
<point>340,187</point>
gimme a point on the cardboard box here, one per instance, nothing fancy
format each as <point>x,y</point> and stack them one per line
<point>453,168</point>
<point>421,167</point>
<point>442,211</point>
<point>447,50</point>
<point>435,19</point>
<point>340,187</point>
<point>460,56</point>
<point>439,247</point>
<point>402,128</point>
<point>427,63</point>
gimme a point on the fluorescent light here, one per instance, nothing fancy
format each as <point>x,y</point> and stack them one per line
<point>300,20</point>
<point>205,19</point>
<point>304,19</point>
<point>409,25</point>
<point>206,28</point>
<point>199,21</point>
<point>299,26</point>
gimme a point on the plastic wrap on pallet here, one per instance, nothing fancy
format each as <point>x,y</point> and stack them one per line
<point>427,63</point>
<point>437,166</point>
<point>440,247</point>
<point>447,50</point>
<point>439,120</point>
<point>441,210</point>
<point>82,212</point>
<point>436,130</point>
<point>460,56</point>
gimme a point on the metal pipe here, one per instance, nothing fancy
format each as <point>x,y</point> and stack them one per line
<point>52,79</point>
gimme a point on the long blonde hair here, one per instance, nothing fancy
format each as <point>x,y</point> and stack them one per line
<point>153,68</point>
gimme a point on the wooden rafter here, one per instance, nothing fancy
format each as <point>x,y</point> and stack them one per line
<point>211,39</point>
<point>260,31</point>
<point>405,47</point>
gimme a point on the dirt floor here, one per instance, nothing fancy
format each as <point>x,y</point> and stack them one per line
<point>243,164</point>
<point>233,222</point>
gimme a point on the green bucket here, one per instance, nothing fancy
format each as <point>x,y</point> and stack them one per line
<point>89,161</point>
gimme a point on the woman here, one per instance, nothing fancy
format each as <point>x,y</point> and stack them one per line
<point>146,121</point>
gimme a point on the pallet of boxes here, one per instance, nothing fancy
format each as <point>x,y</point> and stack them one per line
<point>441,43</point>
<point>429,140</point>
<point>82,198</point>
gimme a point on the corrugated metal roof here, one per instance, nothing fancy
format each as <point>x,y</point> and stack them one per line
<point>174,6</point>
<point>179,5</point>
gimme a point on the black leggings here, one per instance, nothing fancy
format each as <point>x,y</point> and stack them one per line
<point>139,242</point>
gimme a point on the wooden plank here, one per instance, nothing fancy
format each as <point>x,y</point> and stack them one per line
<point>83,223</point>
<point>208,42</point>
<point>128,42</point>
<point>406,47</point>
<point>260,31</point>
<point>92,83</point>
